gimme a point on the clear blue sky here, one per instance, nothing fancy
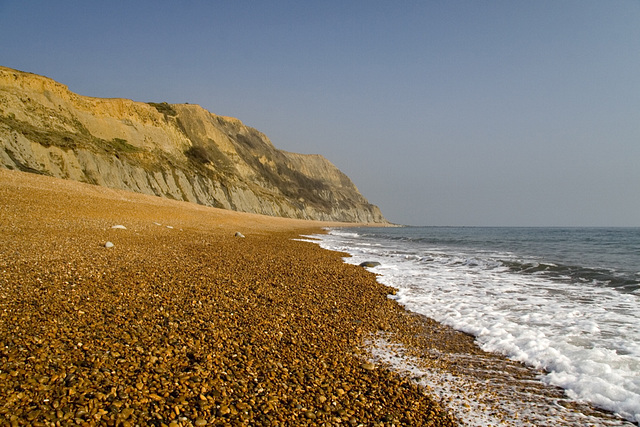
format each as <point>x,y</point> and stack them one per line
<point>442,112</point>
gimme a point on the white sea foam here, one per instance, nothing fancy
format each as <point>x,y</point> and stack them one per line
<point>481,403</point>
<point>585,337</point>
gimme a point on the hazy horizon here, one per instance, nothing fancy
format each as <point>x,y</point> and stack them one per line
<point>461,113</point>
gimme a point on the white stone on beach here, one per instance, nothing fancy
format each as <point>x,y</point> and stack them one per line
<point>239,234</point>
<point>168,226</point>
<point>119,227</point>
<point>109,245</point>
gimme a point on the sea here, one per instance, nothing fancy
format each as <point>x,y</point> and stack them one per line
<point>565,301</point>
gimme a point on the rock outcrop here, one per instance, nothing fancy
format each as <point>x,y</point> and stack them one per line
<point>179,151</point>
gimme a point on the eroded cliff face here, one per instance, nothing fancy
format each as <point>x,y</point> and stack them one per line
<point>170,150</point>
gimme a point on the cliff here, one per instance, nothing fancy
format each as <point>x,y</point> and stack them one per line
<point>179,151</point>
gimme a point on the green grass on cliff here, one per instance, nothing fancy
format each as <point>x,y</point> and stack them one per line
<point>122,146</point>
<point>164,108</point>
<point>68,140</point>
<point>47,137</point>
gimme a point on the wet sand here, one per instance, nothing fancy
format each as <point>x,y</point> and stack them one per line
<point>183,323</point>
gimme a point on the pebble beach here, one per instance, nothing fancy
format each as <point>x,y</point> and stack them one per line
<point>121,309</point>
<point>180,322</point>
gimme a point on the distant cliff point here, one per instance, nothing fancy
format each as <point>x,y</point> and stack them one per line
<point>178,151</point>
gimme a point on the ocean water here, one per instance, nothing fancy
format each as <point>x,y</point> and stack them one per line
<point>565,300</point>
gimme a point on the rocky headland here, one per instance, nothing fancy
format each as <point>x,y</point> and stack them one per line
<point>178,151</point>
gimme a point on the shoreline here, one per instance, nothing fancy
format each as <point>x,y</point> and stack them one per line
<point>182,323</point>
<point>480,388</point>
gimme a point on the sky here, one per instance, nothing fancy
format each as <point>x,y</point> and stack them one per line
<point>457,112</point>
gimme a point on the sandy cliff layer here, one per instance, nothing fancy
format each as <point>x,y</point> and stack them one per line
<point>182,152</point>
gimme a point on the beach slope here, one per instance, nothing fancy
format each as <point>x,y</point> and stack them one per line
<point>180,321</point>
